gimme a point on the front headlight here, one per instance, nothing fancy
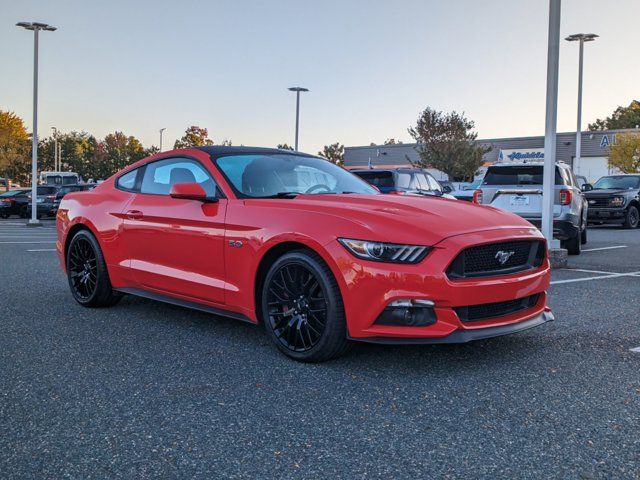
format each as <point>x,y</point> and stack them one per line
<point>617,201</point>
<point>385,252</point>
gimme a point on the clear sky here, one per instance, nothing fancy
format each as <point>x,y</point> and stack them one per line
<point>371,66</point>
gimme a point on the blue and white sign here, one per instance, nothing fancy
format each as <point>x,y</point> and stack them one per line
<point>521,155</point>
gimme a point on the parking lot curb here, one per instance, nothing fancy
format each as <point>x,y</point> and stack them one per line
<point>558,257</point>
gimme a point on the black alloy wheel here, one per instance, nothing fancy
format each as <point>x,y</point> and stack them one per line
<point>83,268</point>
<point>87,272</point>
<point>302,308</point>
<point>632,218</point>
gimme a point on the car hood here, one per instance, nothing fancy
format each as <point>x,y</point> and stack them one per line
<point>407,219</point>
<point>606,192</point>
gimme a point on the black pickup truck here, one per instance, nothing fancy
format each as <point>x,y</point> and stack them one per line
<point>615,199</point>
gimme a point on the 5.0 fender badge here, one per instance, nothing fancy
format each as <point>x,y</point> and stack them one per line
<point>235,243</point>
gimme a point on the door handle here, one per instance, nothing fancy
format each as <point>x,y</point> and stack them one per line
<point>134,214</point>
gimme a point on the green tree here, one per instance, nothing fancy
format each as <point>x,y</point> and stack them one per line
<point>624,154</point>
<point>14,147</point>
<point>392,141</point>
<point>119,151</point>
<point>284,146</point>
<point>622,117</point>
<point>334,153</point>
<point>194,136</point>
<point>447,142</point>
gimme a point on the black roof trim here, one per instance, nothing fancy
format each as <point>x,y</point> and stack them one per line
<point>219,150</point>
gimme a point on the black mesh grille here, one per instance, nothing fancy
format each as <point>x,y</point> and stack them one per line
<point>474,313</point>
<point>599,202</point>
<point>497,259</point>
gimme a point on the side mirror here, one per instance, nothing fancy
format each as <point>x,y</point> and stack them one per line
<point>446,189</point>
<point>587,187</point>
<point>190,191</point>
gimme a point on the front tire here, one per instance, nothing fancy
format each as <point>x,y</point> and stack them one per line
<point>87,272</point>
<point>302,309</point>
<point>632,218</point>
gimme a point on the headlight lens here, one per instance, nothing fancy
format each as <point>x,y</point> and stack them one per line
<point>617,201</point>
<point>385,252</point>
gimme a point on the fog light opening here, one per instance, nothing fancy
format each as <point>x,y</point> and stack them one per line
<point>408,313</point>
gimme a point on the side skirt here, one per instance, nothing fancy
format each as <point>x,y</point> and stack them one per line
<point>184,303</point>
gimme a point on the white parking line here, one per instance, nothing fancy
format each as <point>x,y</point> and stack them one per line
<point>603,248</point>
<point>601,277</point>
<point>36,241</point>
<point>635,350</point>
<point>42,250</point>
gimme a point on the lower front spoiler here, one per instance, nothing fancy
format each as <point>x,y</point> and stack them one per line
<point>465,336</point>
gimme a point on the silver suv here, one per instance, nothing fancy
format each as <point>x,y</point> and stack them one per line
<point>517,187</point>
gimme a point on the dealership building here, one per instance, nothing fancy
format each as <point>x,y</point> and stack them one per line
<point>593,163</point>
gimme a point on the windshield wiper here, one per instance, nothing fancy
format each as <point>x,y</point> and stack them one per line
<point>283,195</point>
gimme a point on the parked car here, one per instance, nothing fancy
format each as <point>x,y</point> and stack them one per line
<point>13,202</point>
<point>466,192</point>
<point>62,191</point>
<point>615,199</point>
<point>404,181</point>
<point>517,188</point>
<point>241,232</point>
<point>45,201</point>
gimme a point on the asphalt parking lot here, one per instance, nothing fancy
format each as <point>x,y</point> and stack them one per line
<point>144,389</point>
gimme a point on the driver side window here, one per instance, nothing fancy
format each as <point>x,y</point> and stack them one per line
<point>160,176</point>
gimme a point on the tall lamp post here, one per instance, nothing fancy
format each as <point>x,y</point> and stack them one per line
<point>161,130</point>
<point>55,148</point>
<point>580,37</point>
<point>35,27</point>
<point>298,90</point>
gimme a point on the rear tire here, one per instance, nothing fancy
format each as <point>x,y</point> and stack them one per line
<point>302,309</point>
<point>632,218</point>
<point>573,245</point>
<point>87,272</point>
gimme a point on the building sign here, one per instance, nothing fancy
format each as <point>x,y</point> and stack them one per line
<point>605,141</point>
<point>521,155</point>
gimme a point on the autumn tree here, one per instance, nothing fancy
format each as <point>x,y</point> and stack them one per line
<point>194,136</point>
<point>624,154</point>
<point>334,153</point>
<point>446,141</point>
<point>621,118</point>
<point>14,147</point>
<point>121,150</point>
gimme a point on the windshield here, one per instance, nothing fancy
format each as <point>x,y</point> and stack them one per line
<point>520,175</point>
<point>273,175</point>
<point>620,182</point>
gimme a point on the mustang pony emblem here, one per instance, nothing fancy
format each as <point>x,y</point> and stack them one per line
<point>503,256</point>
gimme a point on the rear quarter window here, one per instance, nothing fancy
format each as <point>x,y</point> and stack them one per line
<point>128,180</point>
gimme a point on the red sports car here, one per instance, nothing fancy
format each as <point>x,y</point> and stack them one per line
<point>303,247</point>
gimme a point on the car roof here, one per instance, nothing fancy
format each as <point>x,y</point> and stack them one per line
<point>524,164</point>
<point>220,150</point>
<point>390,170</point>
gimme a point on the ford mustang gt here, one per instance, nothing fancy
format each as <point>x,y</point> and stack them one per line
<point>303,247</point>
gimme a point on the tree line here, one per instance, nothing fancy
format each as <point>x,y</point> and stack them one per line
<point>445,141</point>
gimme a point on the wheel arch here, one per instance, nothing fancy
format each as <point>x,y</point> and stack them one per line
<point>75,228</point>
<point>277,250</point>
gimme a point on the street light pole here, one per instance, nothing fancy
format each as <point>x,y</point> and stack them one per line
<point>55,149</point>
<point>161,130</point>
<point>35,27</point>
<point>553,57</point>
<point>298,90</point>
<point>580,37</point>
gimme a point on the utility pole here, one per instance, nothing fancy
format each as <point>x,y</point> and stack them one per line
<point>548,187</point>
<point>297,90</point>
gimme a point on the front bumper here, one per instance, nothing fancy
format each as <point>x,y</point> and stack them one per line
<point>605,215</point>
<point>465,336</point>
<point>369,287</point>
